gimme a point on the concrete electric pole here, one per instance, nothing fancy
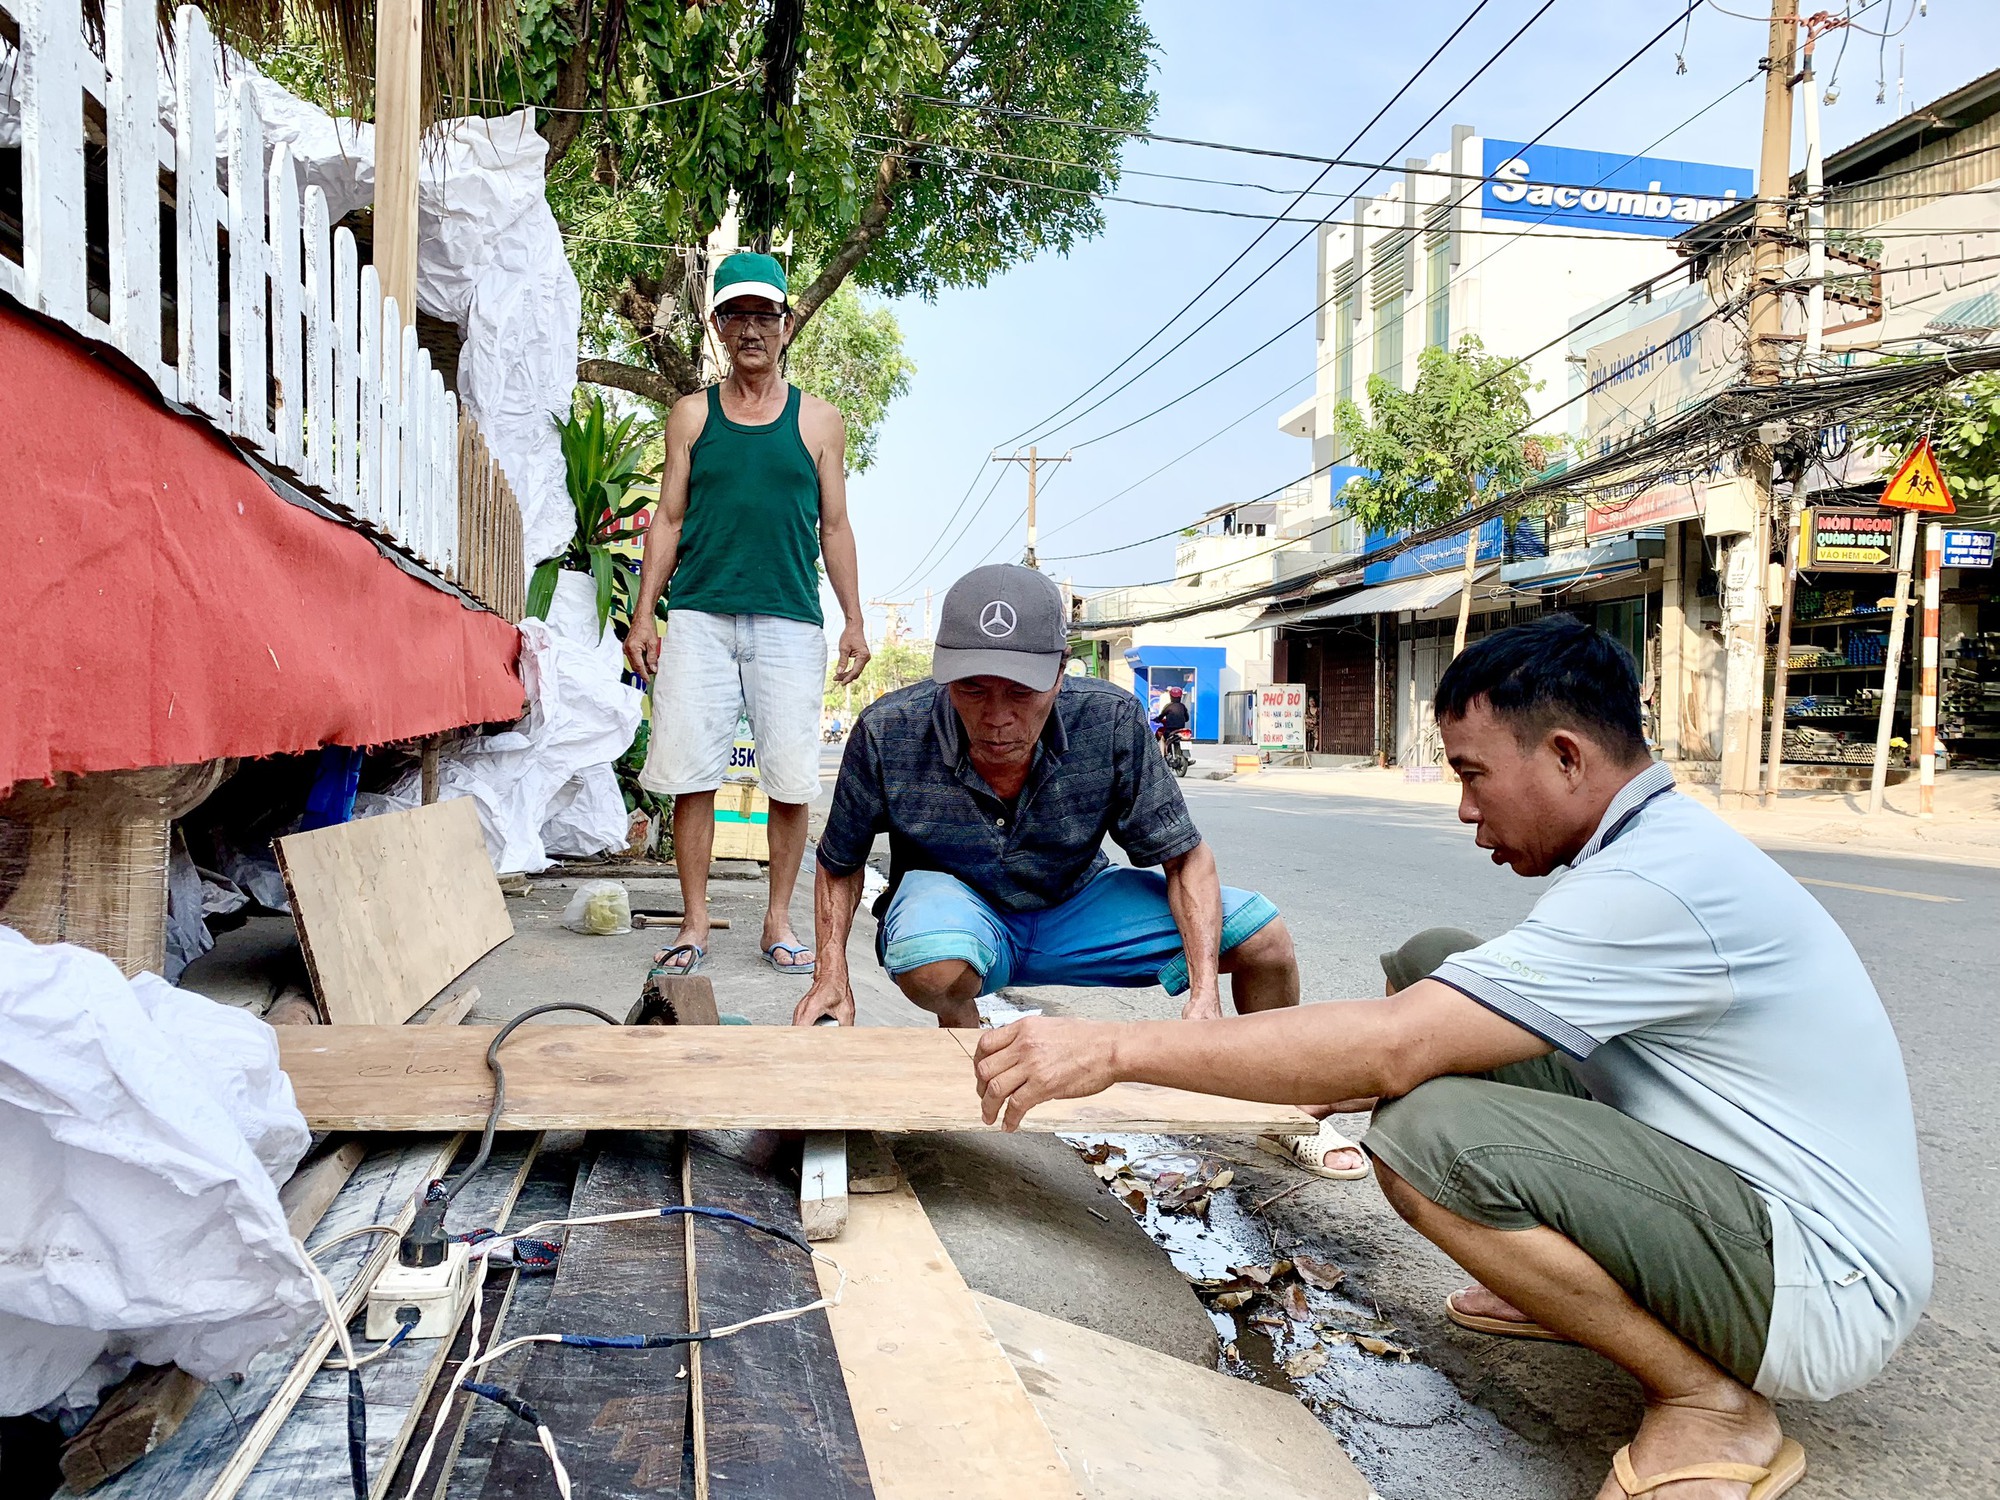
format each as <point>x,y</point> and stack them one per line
<point>1034,460</point>
<point>1747,558</point>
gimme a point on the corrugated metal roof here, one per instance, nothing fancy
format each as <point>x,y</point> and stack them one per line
<point>1427,592</point>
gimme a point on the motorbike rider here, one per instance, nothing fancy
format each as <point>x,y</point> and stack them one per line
<point>1173,717</point>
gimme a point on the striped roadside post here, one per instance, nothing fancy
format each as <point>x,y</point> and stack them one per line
<point>1928,685</point>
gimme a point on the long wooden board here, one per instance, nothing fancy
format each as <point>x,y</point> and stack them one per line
<point>942,1414</point>
<point>1136,1424</point>
<point>307,1460</point>
<point>618,1415</point>
<point>776,1416</point>
<point>699,1078</point>
<point>392,909</point>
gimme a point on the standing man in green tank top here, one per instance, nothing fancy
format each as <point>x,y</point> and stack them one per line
<point>752,494</point>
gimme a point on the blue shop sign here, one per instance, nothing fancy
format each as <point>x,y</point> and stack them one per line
<point>1440,556</point>
<point>1968,549</point>
<point>1600,190</point>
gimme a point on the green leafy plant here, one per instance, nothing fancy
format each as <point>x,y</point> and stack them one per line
<point>1453,439</point>
<point>1962,420</point>
<point>604,463</point>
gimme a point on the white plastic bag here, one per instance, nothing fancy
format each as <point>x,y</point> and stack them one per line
<point>600,908</point>
<point>143,1132</point>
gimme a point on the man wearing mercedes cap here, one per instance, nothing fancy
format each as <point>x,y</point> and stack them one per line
<point>997,782</point>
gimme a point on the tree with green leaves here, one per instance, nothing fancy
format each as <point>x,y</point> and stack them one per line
<point>1962,420</point>
<point>897,664</point>
<point>1456,438</point>
<point>899,146</point>
<point>852,356</point>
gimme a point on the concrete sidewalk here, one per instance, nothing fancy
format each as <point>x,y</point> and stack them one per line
<point>1964,830</point>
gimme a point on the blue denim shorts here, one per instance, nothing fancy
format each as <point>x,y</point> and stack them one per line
<point>1117,931</point>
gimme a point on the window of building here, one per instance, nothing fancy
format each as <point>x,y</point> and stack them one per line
<point>1389,341</point>
<point>1437,281</point>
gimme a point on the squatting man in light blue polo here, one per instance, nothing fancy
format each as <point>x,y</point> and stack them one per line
<point>1665,1117</point>
<point>997,782</point>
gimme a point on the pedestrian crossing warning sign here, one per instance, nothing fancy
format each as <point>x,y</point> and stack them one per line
<point>1918,484</point>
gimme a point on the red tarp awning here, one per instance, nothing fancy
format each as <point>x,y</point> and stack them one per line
<point>160,605</point>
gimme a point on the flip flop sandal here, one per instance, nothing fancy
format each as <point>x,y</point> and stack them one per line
<point>1308,1152</point>
<point>1786,1470</point>
<point>771,958</point>
<point>1502,1328</point>
<point>664,963</point>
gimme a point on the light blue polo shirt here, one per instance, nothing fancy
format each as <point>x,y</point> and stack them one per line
<point>1694,985</point>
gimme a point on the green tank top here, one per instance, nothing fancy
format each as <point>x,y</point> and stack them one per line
<point>751,537</point>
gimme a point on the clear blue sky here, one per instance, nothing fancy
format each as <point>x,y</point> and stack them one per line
<point>1299,75</point>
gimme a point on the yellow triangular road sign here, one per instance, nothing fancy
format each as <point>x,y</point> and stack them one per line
<point>1919,484</point>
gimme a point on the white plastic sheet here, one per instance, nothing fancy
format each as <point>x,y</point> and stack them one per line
<point>548,776</point>
<point>143,1132</point>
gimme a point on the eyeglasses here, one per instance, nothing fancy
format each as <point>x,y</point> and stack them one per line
<point>763,322</point>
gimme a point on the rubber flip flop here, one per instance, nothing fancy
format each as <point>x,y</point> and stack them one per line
<point>665,964</point>
<point>771,958</point>
<point>1308,1152</point>
<point>1501,1328</point>
<point>1786,1470</point>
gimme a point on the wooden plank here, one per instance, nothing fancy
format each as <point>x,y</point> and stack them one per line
<point>391,909</point>
<point>618,1416</point>
<point>367,426</point>
<point>942,1414</point>
<point>132,123</point>
<point>49,84</point>
<point>389,512</point>
<point>249,391</point>
<point>198,255</point>
<point>1136,1424</point>
<point>871,1166</point>
<point>696,1078</point>
<point>230,1425</point>
<point>464,1451</point>
<point>823,1184</point>
<point>775,1412</point>
<point>344,435</point>
<point>307,1460</point>
<point>288,311</point>
<point>316,269</point>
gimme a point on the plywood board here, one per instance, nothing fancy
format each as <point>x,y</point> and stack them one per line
<point>392,909</point>
<point>1136,1424</point>
<point>700,1078</point>
<point>942,1414</point>
<point>775,1413</point>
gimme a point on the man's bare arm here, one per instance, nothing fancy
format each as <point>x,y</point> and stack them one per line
<point>835,900</point>
<point>1303,1055</point>
<point>1194,893</point>
<point>828,434</point>
<point>663,537</point>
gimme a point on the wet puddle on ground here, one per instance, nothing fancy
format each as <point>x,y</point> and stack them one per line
<point>1292,1321</point>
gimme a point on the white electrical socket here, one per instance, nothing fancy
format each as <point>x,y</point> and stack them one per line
<point>436,1292</point>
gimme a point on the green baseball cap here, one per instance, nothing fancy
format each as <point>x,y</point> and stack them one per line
<point>748,274</point>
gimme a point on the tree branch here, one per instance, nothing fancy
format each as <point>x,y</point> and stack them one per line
<point>634,378</point>
<point>564,130</point>
<point>867,229</point>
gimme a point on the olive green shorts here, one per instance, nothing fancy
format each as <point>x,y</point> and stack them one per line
<point>1525,1146</point>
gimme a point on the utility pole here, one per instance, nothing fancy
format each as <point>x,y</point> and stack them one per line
<point>895,608</point>
<point>1034,460</point>
<point>1748,557</point>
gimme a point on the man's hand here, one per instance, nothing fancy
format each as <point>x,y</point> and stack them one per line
<point>1203,1004</point>
<point>1031,1061</point>
<point>642,647</point>
<point>828,995</point>
<point>854,653</point>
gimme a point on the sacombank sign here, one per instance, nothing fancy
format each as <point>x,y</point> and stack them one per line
<point>1597,190</point>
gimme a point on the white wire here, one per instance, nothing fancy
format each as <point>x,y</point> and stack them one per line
<point>352,1234</point>
<point>329,1301</point>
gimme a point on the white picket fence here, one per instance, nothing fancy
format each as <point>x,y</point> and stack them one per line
<point>298,356</point>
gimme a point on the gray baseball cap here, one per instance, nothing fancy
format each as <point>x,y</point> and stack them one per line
<point>1002,621</point>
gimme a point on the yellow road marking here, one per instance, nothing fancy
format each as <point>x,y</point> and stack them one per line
<point>1878,890</point>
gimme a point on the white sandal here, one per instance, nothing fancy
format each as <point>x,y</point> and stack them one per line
<point>1309,1152</point>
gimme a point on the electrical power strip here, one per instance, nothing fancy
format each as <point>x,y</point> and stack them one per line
<point>434,1293</point>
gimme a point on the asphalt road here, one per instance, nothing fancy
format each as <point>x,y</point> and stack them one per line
<point>1486,1418</point>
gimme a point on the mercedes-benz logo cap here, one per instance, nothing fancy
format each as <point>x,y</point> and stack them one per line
<point>1002,621</point>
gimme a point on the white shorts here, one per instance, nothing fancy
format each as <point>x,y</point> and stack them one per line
<point>714,668</point>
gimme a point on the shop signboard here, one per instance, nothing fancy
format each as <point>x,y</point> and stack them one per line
<point>1571,189</point>
<point>1657,505</point>
<point>1968,549</point>
<point>1281,716</point>
<point>1847,541</point>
